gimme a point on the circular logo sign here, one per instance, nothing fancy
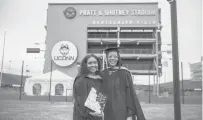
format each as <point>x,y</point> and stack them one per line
<point>70,12</point>
<point>64,53</point>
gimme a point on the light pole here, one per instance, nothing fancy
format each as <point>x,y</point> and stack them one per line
<point>2,61</point>
<point>157,60</point>
<point>159,81</point>
<point>50,81</point>
<point>149,83</point>
<point>183,92</point>
<point>21,82</point>
<point>176,82</point>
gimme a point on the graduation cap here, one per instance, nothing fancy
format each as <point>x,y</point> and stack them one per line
<point>107,50</point>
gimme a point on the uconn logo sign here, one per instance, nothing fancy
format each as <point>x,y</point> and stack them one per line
<point>64,53</point>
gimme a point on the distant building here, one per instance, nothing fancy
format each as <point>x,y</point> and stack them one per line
<point>196,71</point>
<point>11,80</point>
<point>191,88</point>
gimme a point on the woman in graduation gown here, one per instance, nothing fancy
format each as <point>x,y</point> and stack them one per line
<point>85,80</point>
<point>122,102</point>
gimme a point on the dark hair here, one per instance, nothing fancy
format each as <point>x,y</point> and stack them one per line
<point>83,68</point>
<point>108,50</point>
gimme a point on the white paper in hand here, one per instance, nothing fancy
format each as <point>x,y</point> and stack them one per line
<point>92,102</point>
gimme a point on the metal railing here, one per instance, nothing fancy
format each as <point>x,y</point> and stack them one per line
<point>114,35</point>
<point>137,51</point>
<point>126,51</point>
<point>102,35</point>
<point>136,36</point>
<point>138,66</point>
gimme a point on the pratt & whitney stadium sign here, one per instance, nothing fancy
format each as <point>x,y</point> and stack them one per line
<point>134,12</point>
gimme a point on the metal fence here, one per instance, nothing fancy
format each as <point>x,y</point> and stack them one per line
<point>14,88</point>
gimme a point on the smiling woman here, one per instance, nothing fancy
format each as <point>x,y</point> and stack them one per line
<point>122,102</point>
<point>87,79</point>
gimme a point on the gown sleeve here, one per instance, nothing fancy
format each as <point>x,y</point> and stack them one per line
<point>80,93</point>
<point>133,105</point>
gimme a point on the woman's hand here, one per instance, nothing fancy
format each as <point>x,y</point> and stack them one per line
<point>129,118</point>
<point>96,114</point>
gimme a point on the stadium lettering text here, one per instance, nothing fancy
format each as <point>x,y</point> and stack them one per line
<point>140,22</point>
<point>133,12</point>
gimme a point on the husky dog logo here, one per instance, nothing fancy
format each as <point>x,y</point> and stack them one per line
<point>69,12</point>
<point>64,49</point>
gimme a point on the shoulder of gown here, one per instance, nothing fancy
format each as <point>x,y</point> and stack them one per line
<point>126,70</point>
<point>78,79</point>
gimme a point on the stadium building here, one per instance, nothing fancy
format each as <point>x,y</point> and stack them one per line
<point>77,29</point>
<point>196,71</point>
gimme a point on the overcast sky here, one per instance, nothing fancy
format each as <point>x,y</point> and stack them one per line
<point>24,21</point>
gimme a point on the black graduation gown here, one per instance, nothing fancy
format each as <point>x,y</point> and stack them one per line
<point>122,100</point>
<point>81,89</point>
